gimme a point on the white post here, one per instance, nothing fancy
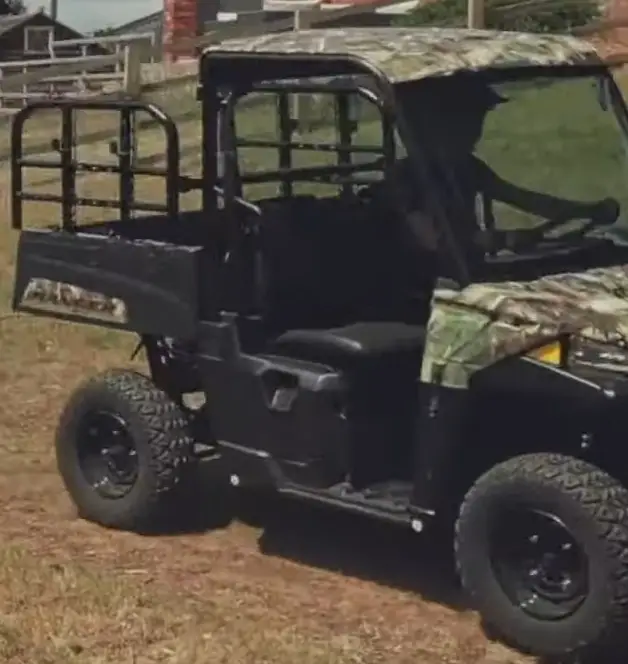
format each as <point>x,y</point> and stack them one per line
<point>300,103</point>
<point>304,13</point>
<point>303,103</point>
<point>475,14</point>
<point>118,49</point>
<point>24,88</point>
<point>132,69</point>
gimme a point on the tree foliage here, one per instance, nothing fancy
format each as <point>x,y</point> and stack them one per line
<point>12,7</point>
<point>104,32</point>
<point>526,15</point>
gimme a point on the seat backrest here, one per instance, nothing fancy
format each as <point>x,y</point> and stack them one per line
<point>325,262</point>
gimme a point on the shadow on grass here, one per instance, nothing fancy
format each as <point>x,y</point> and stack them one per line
<point>351,545</point>
<point>312,535</point>
<point>320,537</point>
<point>362,548</point>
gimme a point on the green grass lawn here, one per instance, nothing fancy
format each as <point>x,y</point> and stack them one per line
<point>554,139</point>
<point>551,138</point>
<point>557,140</point>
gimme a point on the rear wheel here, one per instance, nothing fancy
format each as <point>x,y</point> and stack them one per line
<point>123,447</point>
<point>542,549</point>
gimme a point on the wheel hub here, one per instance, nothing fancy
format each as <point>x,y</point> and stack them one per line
<point>117,458</point>
<point>107,454</point>
<point>539,564</point>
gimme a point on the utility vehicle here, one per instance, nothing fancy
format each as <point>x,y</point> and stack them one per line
<point>376,333</point>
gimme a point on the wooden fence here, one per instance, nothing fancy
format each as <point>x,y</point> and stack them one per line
<point>25,80</point>
<point>133,56</point>
<point>116,44</point>
<point>133,61</point>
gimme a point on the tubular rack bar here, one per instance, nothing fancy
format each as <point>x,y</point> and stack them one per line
<point>70,166</point>
<point>91,167</point>
<point>312,87</point>
<point>312,173</point>
<point>320,147</point>
<point>110,204</point>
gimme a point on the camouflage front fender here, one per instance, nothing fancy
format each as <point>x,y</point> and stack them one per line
<point>461,341</point>
<point>474,327</point>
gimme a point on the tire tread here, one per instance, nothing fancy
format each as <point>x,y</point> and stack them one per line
<point>604,500</point>
<point>164,430</point>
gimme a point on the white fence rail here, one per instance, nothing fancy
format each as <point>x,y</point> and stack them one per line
<point>82,75</point>
<point>67,76</point>
<point>115,43</point>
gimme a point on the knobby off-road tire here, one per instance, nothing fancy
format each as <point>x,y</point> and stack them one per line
<point>594,508</point>
<point>159,432</point>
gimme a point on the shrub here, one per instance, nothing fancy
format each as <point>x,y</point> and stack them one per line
<point>528,16</point>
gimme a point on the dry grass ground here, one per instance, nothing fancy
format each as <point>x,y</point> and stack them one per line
<point>290,588</point>
<point>282,588</point>
<point>342,592</point>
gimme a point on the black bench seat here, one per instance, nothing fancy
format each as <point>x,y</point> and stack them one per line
<point>356,344</point>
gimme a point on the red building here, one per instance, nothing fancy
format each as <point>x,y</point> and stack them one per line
<point>181,22</point>
<point>182,19</point>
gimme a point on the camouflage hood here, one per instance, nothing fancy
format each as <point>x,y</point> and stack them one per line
<point>472,328</point>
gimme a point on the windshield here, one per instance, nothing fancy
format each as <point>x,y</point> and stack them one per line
<point>536,164</point>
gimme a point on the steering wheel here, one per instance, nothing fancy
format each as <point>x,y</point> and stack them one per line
<point>604,213</point>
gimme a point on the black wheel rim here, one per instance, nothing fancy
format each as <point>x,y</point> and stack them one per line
<point>539,564</point>
<point>107,454</point>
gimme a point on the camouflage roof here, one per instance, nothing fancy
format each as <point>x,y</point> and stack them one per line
<point>405,54</point>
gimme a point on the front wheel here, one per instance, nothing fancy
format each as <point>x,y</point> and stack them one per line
<point>542,550</point>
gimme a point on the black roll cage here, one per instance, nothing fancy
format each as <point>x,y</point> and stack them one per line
<point>294,73</point>
<point>286,172</point>
<point>224,78</point>
<point>239,73</point>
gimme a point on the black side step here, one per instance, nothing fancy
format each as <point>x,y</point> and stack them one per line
<point>389,502</point>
